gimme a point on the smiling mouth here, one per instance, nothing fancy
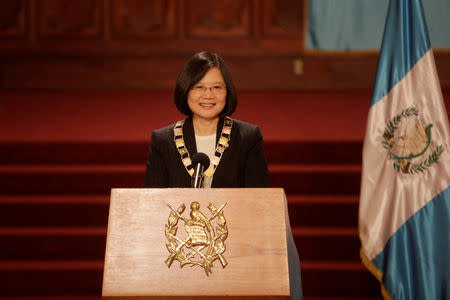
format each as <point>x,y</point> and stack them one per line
<point>207,104</point>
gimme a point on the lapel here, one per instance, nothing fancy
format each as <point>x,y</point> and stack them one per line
<point>219,129</point>
<point>216,179</point>
<point>189,136</point>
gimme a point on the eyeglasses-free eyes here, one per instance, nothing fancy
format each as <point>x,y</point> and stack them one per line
<point>202,89</point>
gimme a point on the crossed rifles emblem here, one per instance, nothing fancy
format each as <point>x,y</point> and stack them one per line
<point>203,244</point>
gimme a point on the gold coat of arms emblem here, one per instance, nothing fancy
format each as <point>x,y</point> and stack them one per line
<point>203,239</point>
<point>409,143</point>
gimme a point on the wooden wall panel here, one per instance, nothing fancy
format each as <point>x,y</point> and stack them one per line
<point>218,19</point>
<point>13,23</point>
<point>282,19</point>
<point>67,19</point>
<point>144,19</point>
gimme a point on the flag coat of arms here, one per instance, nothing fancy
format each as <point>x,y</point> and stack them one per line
<point>404,207</point>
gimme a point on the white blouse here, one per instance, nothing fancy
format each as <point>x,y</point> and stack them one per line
<point>207,145</point>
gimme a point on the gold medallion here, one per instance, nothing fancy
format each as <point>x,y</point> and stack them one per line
<point>203,244</point>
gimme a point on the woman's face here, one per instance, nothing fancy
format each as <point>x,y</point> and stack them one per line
<point>207,98</point>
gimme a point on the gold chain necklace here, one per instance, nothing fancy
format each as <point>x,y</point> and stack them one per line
<point>222,144</point>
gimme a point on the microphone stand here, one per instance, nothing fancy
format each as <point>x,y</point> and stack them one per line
<point>198,176</point>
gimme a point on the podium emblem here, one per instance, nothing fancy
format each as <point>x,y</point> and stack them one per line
<point>200,244</point>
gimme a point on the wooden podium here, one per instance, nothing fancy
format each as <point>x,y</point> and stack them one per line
<point>260,257</point>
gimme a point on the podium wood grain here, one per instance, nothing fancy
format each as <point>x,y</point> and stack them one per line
<point>256,247</point>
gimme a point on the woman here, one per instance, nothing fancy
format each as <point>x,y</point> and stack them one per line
<point>205,93</point>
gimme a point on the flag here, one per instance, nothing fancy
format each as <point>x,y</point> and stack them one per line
<point>404,209</point>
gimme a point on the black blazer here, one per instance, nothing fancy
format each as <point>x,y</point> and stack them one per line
<point>243,163</point>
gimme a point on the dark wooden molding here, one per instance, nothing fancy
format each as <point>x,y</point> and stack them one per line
<point>144,19</point>
<point>142,44</point>
<point>282,19</point>
<point>66,19</point>
<point>218,19</point>
<point>13,19</point>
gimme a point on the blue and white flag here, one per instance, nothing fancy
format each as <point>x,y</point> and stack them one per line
<point>404,212</point>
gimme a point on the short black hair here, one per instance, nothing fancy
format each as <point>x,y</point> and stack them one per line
<point>193,71</point>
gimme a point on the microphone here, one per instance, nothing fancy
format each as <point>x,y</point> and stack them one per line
<point>200,161</point>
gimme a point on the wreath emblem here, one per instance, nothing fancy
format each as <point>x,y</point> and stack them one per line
<point>204,245</point>
<point>409,143</point>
